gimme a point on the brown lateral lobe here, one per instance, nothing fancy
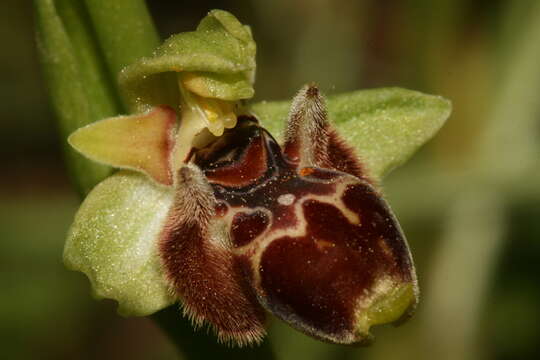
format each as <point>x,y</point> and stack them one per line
<point>201,270</point>
<point>310,140</point>
<point>306,135</point>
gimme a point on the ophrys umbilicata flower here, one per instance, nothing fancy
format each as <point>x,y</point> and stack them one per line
<point>230,221</point>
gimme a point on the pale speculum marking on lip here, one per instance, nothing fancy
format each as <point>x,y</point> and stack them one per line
<point>286,199</point>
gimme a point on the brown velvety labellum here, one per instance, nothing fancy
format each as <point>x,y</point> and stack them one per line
<point>346,237</point>
<point>308,236</point>
<point>380,226</point>
<point>316,279</point>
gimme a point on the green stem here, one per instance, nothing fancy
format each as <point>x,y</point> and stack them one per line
<point>125,32</point>
<point>195,345</point>
<point>75,78</point>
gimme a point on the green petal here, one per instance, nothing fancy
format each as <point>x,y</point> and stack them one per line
<point>220,45</point>
<point>386,126</point>
<point>142,142</point>
<point>113,240</point>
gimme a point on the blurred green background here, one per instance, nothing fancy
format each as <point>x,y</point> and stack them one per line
<point>469,202</point>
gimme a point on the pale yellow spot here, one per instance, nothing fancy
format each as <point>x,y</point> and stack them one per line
<point>388,302</point>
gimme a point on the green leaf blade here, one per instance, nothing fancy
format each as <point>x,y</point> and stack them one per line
<point>385,126</point>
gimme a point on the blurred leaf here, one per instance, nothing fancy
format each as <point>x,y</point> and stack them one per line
<point>291,344</point>
<point>77,84</point>
<point>510,147</point>
<point>461,273</point>
<point>113,240</point>
<point>430,50</point>
<point>31,274</point>
<point>386,126</point>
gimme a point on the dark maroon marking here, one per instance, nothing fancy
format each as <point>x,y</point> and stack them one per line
<point>228,148</point>
<point>223,164</point>
<point>380,222</point>
<point>247,226</point>
<point>238,158</point>
<point>276,176</point>
<point>251,167</point>
<point>315,280</point>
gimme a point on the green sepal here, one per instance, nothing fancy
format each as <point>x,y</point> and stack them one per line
<point>385,126</point>
<point>221,51</point>
<point>114,241</point>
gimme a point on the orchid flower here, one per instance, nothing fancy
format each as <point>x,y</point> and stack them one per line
<point>235,210</point>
